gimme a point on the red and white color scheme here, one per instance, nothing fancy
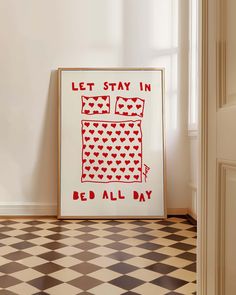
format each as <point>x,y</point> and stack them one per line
<point>111,151</point>
<point>129,106</point>
<point>92,105</point>
<point>111,143</point>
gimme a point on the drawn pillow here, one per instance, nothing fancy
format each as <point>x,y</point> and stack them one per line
<point>92,105</point>
<point>129,106</point>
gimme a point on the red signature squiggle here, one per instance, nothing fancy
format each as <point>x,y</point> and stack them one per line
<point>146,170</point>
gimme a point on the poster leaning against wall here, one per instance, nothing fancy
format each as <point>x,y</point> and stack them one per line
<point>111,143</point>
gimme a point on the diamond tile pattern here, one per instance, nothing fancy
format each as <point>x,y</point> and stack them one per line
<point>49,256</point>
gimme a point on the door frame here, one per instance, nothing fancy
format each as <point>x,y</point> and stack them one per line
<point>203,154</point>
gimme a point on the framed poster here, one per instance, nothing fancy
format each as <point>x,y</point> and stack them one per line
<point>111,143</point>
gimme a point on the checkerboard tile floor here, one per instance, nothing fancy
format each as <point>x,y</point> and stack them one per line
<point>47,256</point>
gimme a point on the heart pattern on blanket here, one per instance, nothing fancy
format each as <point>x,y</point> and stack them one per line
<point>111,151</point>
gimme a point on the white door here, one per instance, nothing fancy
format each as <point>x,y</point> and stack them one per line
<point>220,214</point>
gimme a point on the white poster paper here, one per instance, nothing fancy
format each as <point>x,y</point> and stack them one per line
<point>111,143</point>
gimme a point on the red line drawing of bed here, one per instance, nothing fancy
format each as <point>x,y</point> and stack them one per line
<point>111,151</point>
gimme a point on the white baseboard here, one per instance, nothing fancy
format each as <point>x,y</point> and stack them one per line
<point>177,211</point>
<point>28,209</point>
<point>192,214</point>
<point>43,209</point>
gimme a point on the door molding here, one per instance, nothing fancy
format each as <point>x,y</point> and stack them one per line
<point>222,167</point>
<point>221,55</point>
<point>203,155</point>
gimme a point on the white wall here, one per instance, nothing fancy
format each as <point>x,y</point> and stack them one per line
<point>39,36</point>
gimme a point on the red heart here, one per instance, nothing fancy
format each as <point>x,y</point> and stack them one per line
<point>113,125</point>
<point>127,132</point>
<point>104,139</point>
<point>104,97</point>
<point>109,133</point>
<point>100,147</point>
<point>122,139</point>
<point>114,139</point>
<point>131,169</point>
<point>105,154</point>
<point>91,161</point>
<point>91,146</point>
<point>84,160</point>
<point>131,139</point>
<point>91,104</point>
<point>100,132</point>
<point>95,125</point>
<point>96,168</point>
<point>113,170</point>
<point>129,106</point>
<point>127,176</point>
<point>118,162</point>
<point>131,125</point>
<point>95,112</point>
<point>109,147</point>
<point>136,176</point>
<point>83,131</point>
<point>91,176</point>
<point>138,106</point>
<point>104,125</point>
<point>95,98</point>
<point>139,168</point>
<point>136,132</point>
<point>87,153</point>
<point>127,147</point>
<point>100,105</point>
<point>122,155</point>
<point>100,162</point>
<point>87,124</point>
<point>95,139</point>
<point>120,106</point>
<point>131,155</point>
<point>127,162</point>
<point>118,177</point>
<point>122,169</point>
<point>84,146</point>
<point>136,162</point>
<point>118,132</point>
<point>87,138</point>
<point>136,147</point>
<point>86,111</point>
<point>125,113</point>
<point>140,139</point>
<point>96,154</point>
<point>118,147</point>
<point>122,125</point>
<point>87,168</point>
<point>134,99</point>
<point>83,175</point>
<point>104,169</point>
<point>109,176</point>
<point>114,155</point>
<point>109,162</point>
<point>100,176</point>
